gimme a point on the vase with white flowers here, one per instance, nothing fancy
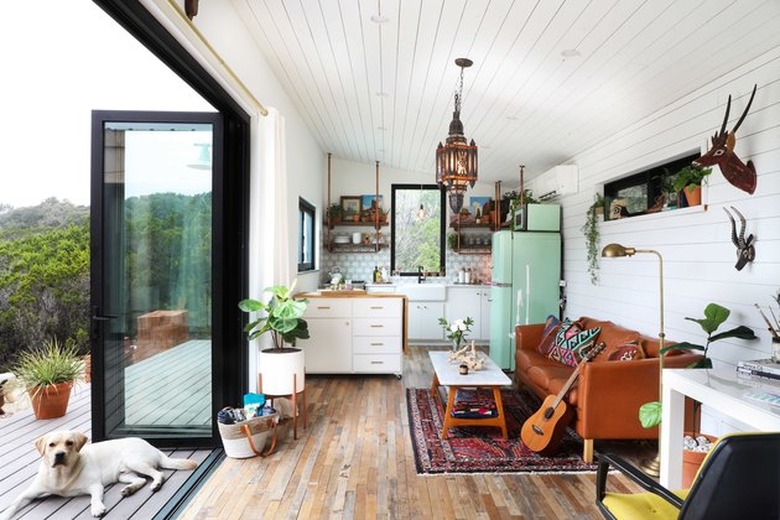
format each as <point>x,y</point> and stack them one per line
<point>457,330</point>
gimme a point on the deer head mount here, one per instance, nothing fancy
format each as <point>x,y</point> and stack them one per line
<point>746,252</point>
<point>739,174</point>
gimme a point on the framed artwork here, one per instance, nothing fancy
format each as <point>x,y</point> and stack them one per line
<point>351,205</point>
<point>367,201</point>
<point>477,202</point>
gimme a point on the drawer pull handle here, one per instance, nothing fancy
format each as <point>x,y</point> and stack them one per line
<point>323,307</point>
<point>377,307</point>
<point>377,344</point>
<point>377,362</point>
<point>377,326</point>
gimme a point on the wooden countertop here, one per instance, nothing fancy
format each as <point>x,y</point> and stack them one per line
<point>355,293</point>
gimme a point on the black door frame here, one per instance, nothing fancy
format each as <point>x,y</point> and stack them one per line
<point>230,225</point>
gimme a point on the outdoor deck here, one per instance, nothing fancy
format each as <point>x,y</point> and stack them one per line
<point>19,459</point>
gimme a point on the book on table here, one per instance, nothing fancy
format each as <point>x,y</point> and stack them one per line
<point>766,367</point>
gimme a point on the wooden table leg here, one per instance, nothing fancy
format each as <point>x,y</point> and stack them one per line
<point>500,409</point>
<point>448,412</point>
<point>435,385</point>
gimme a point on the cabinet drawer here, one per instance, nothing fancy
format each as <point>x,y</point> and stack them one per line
<point>377,307</point>
<point>329,308</point>
<point>376,327</point>
<point>377,363</point>
<point>376,345</point>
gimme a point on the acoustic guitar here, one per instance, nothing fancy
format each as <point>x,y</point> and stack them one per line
<point>542,432</point>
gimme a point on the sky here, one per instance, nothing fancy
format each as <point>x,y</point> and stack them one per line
<point>61,60</point>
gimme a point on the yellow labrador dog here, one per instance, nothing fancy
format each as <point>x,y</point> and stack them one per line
<point>71,467</point>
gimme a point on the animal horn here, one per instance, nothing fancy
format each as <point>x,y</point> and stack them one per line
<point>742,225</point>
<point>726,117</point>
<point>733,227</point>
<point>750,102</point>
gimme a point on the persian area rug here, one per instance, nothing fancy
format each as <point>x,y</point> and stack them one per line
<point>481,449</point>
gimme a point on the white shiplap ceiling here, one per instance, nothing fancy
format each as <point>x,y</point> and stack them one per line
<point>384,91</point>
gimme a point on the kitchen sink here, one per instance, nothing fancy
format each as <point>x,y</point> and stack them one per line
<point>424,292</point>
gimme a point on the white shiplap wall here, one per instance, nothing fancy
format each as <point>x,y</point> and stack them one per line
<point>696,245</point>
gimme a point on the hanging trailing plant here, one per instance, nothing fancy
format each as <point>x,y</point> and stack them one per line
<point>591,231</point>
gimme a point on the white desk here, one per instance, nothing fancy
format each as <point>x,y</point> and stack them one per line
<point>719,388</point>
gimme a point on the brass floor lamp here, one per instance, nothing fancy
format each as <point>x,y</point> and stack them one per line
<point>653,466</point>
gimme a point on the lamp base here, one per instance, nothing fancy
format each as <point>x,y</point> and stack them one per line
<point>652,466</point>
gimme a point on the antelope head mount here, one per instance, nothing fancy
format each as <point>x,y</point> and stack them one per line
<point>746,252</point>
<point>739,174</point>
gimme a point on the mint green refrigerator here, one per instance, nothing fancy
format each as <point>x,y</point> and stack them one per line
<point>525,287</point>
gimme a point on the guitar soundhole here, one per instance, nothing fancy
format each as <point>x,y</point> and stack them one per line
<point>549,413</point>
<point>537,430</point>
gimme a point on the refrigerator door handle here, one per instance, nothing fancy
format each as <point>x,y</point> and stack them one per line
<point>501,284</point>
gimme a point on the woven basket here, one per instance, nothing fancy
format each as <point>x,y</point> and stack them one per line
<point>237,444</point>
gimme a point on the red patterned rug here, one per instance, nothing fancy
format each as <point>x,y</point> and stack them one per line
<point>481,449</point>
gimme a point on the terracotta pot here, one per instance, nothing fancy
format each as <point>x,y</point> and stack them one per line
<point>49,402</point>
<point>693,195</point>
<point>692,461</point>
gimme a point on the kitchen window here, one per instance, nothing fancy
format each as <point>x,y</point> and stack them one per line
<point>418,229</point>
<point>306,221</point>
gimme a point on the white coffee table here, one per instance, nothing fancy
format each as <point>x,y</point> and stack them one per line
<point>490,376</point>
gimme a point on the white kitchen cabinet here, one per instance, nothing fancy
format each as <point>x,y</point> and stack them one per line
<point>470,301</point>
<point>329,347</point>
<point>424,321</point>
<point>354,335</point>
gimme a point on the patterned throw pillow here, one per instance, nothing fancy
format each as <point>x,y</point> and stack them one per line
<point>627,352</point>
<point>572,343</point>
<point>552,324</point>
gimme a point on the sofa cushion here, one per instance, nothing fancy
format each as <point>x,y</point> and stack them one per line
<point>551,326</point>
<point>628,352</point>
<point>571,343</point>
<point>613,336</point>
<point>542,376</point>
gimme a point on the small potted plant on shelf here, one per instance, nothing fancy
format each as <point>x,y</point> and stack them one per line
<point>689,180</point>
<point>335,213</point>
<point>591,231</point>
<point>48,372</point>
<point>650,413</point>
<point>281,366</point>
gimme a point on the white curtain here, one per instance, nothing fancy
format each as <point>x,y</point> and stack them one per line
<point>269,219</point>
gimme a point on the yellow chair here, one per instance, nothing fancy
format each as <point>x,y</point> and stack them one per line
<point>739,478</point>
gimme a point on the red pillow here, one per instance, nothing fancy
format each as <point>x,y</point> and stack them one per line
<point>626,352</point>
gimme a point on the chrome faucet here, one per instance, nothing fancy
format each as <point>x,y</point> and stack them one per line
<point>420,274</point>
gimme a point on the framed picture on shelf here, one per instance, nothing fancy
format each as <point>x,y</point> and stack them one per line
<point>477,203</point>
<point>350,204</point>
<point>367,201</point>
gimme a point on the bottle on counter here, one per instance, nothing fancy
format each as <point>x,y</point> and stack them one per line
<point>467,276</point>
<point>462,276</point>
<point>377,275</point>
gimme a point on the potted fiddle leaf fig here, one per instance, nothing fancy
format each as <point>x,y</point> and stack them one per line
<point>282,365</point>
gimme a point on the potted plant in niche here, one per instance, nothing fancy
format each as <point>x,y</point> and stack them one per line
<point>688,180</point>
<point>591,231</point>
<point>48,373</point>
<point>650,413</point>
<point>281,366</point>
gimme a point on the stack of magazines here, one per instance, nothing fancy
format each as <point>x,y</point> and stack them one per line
<point>764,368</point>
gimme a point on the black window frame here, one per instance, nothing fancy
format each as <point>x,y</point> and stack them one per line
<point>306,234</point>
<point>442,223</point>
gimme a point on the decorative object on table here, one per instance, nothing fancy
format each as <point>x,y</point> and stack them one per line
<point>48,372</point>
<point>591,231</point>
<point>739,174</point>
<point>457,330</point>
<point>456,159</point>
<point>350,205</point>
<point>463,369</point>
<point>688,181</point>
<point>471,449</point>
<point>543,431</point>
<point>281,367</point>
<point>653,466</point>
<point>746,252</point>
<point>468,357</point>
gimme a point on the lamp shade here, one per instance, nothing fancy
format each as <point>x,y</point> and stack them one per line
<point>616,250</point>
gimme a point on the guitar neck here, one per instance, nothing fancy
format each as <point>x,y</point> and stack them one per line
<point>574,375</point>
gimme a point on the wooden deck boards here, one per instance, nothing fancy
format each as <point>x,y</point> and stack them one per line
<point>19,459</point>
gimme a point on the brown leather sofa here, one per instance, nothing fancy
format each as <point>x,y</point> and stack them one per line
<point>608,394</point>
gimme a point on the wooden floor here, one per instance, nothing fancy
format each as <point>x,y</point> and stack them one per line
<point>355,460</point>
<point>19,459</point>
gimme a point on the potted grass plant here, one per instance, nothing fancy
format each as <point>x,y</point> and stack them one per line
<point>48,372</point>
<point>282,365</point>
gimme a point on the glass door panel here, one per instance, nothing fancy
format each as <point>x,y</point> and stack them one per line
<point>152,265</point>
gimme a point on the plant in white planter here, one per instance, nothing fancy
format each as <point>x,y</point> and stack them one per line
<point>281,366</point>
